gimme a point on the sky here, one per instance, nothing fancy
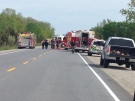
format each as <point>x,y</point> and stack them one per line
<point>69,15</point>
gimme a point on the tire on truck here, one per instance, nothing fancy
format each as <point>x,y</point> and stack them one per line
<point>106,63</point>
<point>133,66</point>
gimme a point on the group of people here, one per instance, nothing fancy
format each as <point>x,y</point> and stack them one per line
<point>55,43</point>
<point>44,44</point>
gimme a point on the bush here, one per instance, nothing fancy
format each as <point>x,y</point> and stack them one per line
<point>11,40</point>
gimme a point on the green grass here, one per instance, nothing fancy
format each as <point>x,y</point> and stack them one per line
<point>7,47</point>
<point>13,47</point>
<point>38,44</point>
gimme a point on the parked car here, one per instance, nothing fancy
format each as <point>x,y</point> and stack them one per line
<point>118,50</point>
<point>96,47</point>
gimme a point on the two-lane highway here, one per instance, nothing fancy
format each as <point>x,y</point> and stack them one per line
<point>54,75</point>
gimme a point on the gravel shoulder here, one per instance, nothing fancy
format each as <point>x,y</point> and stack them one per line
<point>123,76</point>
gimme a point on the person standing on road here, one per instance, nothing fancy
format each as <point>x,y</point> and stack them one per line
<point>57,43</point>
<point>72,43</point>
<point>42,42</point>
<point>46,44</point>
<point>52,44</point>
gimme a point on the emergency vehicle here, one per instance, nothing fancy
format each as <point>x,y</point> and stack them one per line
<point>83,40</point>
<point>68,38</point>
<point>25,40</point>
<point>96,47</point>
<point>60,38</point>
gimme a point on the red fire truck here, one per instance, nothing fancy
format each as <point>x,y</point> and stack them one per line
<point>83,40</point>
<point>26,39</point>
<point>68,38</point>
<point>60,38</point>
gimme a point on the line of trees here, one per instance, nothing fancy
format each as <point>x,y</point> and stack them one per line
<point>108,28</point>
<point>12,23</point>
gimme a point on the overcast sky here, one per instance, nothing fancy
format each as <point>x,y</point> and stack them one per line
<point>68,15</point>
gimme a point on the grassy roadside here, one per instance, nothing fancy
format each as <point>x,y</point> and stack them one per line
<point>7,47</point>
<point>13,47</point>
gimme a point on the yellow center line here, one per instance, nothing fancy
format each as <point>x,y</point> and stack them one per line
<point>25,62</point>
<point>11,69</point>
<point>34,58</point>
<point>39,55</point>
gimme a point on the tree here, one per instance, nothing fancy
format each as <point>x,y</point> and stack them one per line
<point>8,24</point>
<point>11,40</point>
<point>118,29</point>
<point>99,28</point>
<point>109,30</point>
<point>11,24</point>
<point>131,30</point>
<point>130,12</point>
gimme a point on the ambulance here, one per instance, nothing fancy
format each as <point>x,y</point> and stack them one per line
<point>83,39</point>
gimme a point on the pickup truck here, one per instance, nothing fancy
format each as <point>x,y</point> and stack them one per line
<point>118,50</point>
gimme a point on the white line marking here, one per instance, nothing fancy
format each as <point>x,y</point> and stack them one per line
<point>10,52</point>
<point>104,84</point>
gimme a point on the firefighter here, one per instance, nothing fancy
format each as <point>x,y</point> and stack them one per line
<point>85,41</point>
<point>53,44</point>
<point>46,44</point>
<point>57,43</point>
<point>72,43</point>
<point>43,42</point>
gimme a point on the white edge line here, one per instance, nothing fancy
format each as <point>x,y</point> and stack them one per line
<point>10,52</point>
<point>104,84</point>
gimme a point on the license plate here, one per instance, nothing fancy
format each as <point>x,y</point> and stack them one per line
<point>122,58</point>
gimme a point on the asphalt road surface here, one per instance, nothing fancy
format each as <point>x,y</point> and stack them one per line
<point>54,75</point>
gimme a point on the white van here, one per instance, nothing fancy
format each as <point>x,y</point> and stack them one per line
<point>96,47</point>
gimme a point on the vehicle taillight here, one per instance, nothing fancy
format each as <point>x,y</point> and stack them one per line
<point>19,43</point>
<point>108,49</point>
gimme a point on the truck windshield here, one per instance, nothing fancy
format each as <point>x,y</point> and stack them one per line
<point>25,37</point>
<point>121,42</point>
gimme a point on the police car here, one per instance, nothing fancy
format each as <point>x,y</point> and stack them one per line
<point>96,47</point>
